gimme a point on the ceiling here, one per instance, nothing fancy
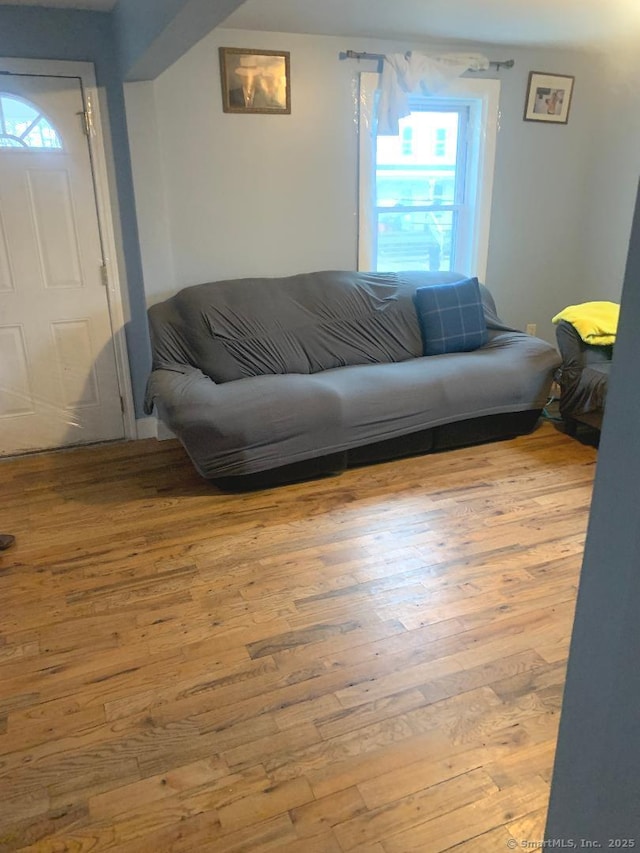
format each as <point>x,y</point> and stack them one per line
<point>561,23</point>
<point>94,5</point>
<point>553,23</point>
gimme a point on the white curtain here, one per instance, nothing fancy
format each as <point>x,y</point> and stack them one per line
<point>416,72</point>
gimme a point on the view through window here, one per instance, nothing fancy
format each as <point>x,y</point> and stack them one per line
<point>425,194</point>
<point>420,190</point>
<point>22,125</point>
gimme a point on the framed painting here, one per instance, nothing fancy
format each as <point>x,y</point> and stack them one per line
<point>255,81</point>
<point>548,98</point>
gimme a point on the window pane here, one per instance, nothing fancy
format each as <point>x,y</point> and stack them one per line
<point>424,171</point>
<point>420,175</point>
<point>25,122</point>
<point>42,135</point>
<point>7,142</point>
<point>17,116</point>
<point>444,188</point>
<point>415,240</point>
<point>442,167</point>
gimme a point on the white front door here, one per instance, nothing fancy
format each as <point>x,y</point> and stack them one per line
<point>58,376</point>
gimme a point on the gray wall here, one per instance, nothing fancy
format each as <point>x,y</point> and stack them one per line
<point>595,793</point>
<point>138,24</point>
<point>153,34</point>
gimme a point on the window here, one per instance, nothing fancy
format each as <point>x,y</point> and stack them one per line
<point>22,125</point>
<point>428,208</point>
<point>407,141</point>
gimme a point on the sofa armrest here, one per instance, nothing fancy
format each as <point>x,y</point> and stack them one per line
<point>576,354</point>
<point>170,388</point>
<point>249,424</point>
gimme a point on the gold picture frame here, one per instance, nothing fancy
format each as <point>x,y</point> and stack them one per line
<point>255,81</point>
<point>548,97</point>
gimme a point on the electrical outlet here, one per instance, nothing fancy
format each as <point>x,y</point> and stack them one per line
<point>531,328</point>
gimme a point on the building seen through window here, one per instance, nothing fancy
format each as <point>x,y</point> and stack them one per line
<point>417,179</point>
<point>425,194</point>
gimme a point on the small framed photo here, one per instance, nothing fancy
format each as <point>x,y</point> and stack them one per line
<point>548,98</point>
<point>255,81</point>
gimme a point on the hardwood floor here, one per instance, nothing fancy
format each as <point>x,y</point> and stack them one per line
<point>372,662</point>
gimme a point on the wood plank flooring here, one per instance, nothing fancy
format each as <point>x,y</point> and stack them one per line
<point>370,663</point>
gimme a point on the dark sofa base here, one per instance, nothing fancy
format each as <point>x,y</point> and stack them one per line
<point>445,437</point>
<point>590,419</point>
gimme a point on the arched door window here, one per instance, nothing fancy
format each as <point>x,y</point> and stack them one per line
<point>22,125</point>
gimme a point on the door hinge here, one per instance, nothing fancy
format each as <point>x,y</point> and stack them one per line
<point>86,117</point>
<point>104,275</point>
<point>122,409</point>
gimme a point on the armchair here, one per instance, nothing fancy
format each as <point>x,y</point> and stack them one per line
<point>583,378</point>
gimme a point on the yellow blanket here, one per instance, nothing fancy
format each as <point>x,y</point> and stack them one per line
<point>595,322</point>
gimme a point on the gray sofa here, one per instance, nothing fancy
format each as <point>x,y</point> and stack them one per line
<point>275,379</point>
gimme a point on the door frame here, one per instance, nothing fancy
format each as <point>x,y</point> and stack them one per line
<point>107,213</point>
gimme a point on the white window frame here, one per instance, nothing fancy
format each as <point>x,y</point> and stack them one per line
<point>483,97</point>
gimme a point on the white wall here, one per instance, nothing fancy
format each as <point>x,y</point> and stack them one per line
<point>276,194</point>
<point>538,251</point>
<point>259,194</point>
<point>615,168</point>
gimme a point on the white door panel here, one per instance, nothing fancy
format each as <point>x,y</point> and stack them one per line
<point>58,376</point>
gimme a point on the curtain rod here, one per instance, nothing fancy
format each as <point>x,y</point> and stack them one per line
<point>379,57</point>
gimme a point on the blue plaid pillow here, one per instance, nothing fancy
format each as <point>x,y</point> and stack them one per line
<point>451,317</point>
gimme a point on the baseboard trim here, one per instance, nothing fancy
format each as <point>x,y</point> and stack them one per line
<point>152,428</point>
<point>164,432</point>
<point>146,428</point>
